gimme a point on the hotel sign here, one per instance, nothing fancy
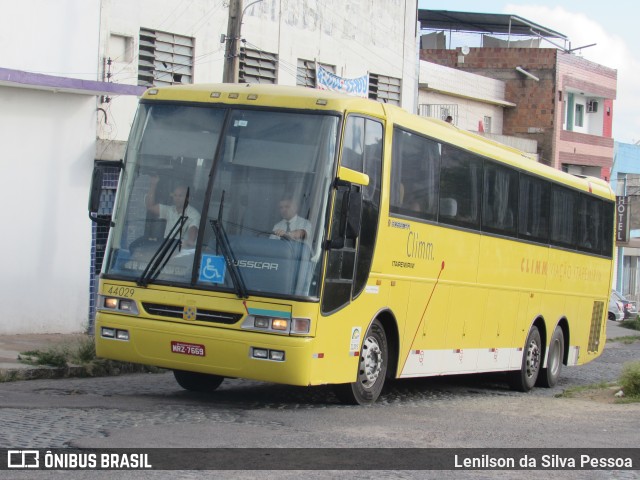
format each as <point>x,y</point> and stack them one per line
<point>622,219</point>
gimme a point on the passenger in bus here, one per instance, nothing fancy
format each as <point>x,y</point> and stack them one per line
<point>292,226</point>
<point>171,213</point>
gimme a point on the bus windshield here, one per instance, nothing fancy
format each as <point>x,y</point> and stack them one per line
<point>224,199</point>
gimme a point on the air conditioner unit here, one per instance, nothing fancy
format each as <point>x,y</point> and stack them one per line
<point>592,106</point>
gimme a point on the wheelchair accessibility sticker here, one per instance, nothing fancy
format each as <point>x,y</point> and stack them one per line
<point>212,269</point>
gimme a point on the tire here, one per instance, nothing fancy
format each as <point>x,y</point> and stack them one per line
<point>372,369</point>
<point>549,376</point>
<point>612,317</point>
<point>524,379</point>
<point>197,382</point>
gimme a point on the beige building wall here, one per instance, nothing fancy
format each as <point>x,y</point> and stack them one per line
<point>356,37</point>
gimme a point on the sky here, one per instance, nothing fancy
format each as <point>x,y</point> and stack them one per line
<point>612,26</point>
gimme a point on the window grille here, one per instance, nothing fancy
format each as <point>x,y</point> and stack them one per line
<point>257,66</point>
<point>384,89</point>
<point>164,58</point>
<point>306,72</point>
<point>440,111</point>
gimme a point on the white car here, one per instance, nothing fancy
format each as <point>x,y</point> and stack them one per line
<point>616,309</point>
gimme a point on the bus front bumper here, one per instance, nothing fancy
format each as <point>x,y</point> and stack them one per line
<point>218,351</point>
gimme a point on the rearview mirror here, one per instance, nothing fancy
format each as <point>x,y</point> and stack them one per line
<point>350,219</point>
<point>96,190</point>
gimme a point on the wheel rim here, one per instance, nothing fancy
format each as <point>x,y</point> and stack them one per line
<point>370,362</point>
<point>533,359</point>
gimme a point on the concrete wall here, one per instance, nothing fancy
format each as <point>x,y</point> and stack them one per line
<point>47,151</point>
<point>55,37</point>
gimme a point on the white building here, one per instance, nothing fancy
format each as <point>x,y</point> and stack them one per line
<point>475,102</point>
<point>164,41</point>
<point>70,75</point>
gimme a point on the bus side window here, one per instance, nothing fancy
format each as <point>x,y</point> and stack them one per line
<point>461,180</point>
<point>348,268</point>
<point>500,199</point>
<point>533,222</point>
<point>415,175</point>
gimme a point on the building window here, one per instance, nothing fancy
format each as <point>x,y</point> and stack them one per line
<point>579,118</point>
<point>384,89</point>
<point>487,124</point>
<point>629,275</point>
<point>306,73</point>
<point>441,111</point>
<point>257,66</point>
<point>164,58</point>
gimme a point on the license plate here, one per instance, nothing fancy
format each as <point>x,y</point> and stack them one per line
<point>188,348</point>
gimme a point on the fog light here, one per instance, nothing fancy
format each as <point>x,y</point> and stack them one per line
<point>279,324</point>
<point>122,334</point>
<point>110,302</point>
<point>261,322</point>
<point>260,353</point>
<point>108,332</point>
<point>276,355</point>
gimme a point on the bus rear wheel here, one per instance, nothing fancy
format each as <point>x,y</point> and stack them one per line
<point>372,369</point>
<point>197,382</point>
<point>549,376</point>
<point>524,379</point>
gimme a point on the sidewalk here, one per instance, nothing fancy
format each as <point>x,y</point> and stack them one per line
<point>11,346</point>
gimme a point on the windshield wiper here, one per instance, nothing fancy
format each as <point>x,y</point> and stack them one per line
<point>166,249</point>
<point>223,242</point>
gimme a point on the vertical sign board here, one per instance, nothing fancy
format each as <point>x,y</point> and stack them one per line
<point>622,219</point>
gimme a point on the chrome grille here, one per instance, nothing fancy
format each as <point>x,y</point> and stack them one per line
<point>176,311</point>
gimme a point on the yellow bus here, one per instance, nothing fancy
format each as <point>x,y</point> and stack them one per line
<point>304,237</point>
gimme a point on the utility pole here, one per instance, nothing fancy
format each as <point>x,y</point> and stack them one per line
<point>232,48</point>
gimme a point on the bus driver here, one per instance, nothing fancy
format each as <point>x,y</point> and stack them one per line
<point>171,213</point>
<point>292,226</point>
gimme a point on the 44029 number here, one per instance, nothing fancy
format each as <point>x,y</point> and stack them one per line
<point>119,291</point>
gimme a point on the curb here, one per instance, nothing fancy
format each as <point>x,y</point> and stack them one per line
<point>106,368</point>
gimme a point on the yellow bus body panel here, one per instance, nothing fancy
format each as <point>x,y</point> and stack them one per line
<point>458,301</point>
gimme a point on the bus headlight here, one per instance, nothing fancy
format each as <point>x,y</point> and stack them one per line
<point>116,304</point>
<point>293,326</point>
<point>280,324</point>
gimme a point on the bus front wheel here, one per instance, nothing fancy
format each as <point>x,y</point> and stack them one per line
<point>524,379</point>
<point>372,369</point>
<point>197,382</point>
<point>549,376</point>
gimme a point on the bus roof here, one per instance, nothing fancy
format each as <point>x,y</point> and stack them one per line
<point>264,95</point>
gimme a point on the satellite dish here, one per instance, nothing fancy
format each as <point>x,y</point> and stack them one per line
<point>465,50</point>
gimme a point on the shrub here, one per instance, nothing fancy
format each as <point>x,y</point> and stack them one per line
<point>632,323</point>
<point>630,379</point>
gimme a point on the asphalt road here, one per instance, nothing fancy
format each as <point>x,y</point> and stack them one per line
<point>151,411</point>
